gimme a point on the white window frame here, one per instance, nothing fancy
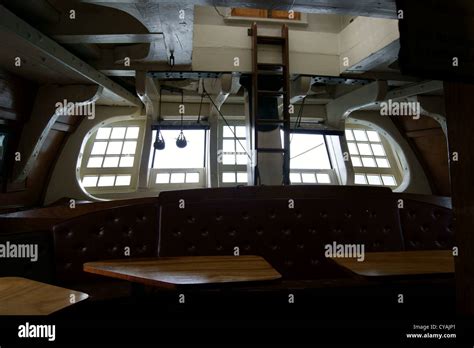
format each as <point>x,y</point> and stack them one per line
<point>231,168</point>
<point>330,172</point>
<point>133,171</point>
<point>395,167</point>
<point>153,172</point>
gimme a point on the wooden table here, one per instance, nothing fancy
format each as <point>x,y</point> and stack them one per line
<point>403,263</point>
<point>169,272</point>
<point>21,296</point>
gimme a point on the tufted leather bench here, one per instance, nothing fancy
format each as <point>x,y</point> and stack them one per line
<point>104,235</point>
<point>259,220</point>
<point>96,235</point>
<point>427,222</point>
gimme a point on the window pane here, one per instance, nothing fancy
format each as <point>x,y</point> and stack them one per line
<point>106,180</point>
<point>228,146</point>
<point>228,177</point>
<point>356,162</point>
<point>389,180</point>
<point>228,159</point>
<point>177,178</point>
<point>227,133</point>
<point>364,149</point>
<point>123,180</point>
<point>374,179</point>
<point>241,145</point>
<point>192,178</point>
<point>353,149</point>
<point>192,156</point>
<point>90,181</point>
<point>349,135</point>
<point>111,162</point>
<point>295,178</point>
<point>242,159</point>
<point>308,178</point>
<point>382,163</point>
<point>373,136</point>
<point>132,132</point>
<point>323,178</point>
<point>242,177</point>
<point>240,132</point>
<point>378,150</point>
<point>162,178</point>
<point>95,162</point>
<point>359,179</point>
<point>103,133</point>
<point>118,133</point>
<point>99,148</point>
<point>126,161</point>
<point>369,162</point>
<point>129,147</point>
<point>360,135</point>
<point>114,148</point>
<point>308,151</point>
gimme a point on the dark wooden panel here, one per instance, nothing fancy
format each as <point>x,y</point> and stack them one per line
<point>36,181</point>
<point>459,109</point>
<point>16,96</point>
<point>432,33</point>
<point>429,144</point>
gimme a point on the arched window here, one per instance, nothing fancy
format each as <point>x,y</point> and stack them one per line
<point>111,158</point>
<point>374,160</point>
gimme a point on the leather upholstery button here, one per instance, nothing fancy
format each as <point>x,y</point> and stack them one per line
<point>286,232</point>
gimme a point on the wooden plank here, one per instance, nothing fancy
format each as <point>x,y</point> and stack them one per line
<point>249,12</point>
<point>21,296</point>
<point>459,108</point>
<point>168,272</point>
<point>400,263</point>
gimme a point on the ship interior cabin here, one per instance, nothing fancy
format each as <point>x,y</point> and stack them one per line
<point>211,163</point>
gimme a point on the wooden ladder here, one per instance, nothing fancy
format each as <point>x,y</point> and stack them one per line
<point>259,69</point>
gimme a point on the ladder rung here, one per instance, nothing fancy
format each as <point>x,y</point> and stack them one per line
<point>270,66</point>
<point>270,149</point>
<point>271,93</point>
<point>270,40</point>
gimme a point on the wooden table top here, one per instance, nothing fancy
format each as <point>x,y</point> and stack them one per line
<point>21,296</point>
<point>380,264</point>
<point>168,272</point>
